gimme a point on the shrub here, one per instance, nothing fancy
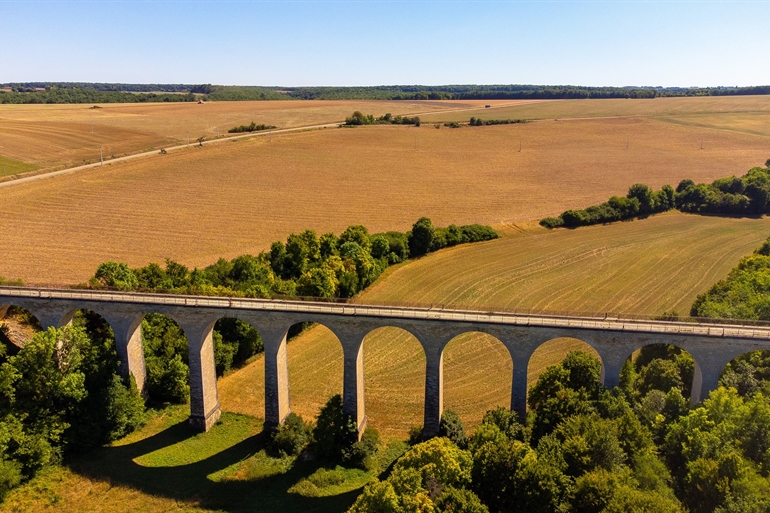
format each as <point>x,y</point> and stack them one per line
<point>290,437</point>
<point>575,218</point>
<point>415,435</point>
<point>362,453</point>
<point>452,427</point>
<point>552,222</point>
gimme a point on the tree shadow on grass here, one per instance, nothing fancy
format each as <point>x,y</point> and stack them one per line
<point>189,483</point>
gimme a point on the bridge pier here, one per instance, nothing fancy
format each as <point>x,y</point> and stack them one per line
<point>519,388</point>
<point>204,397</point>
<point>276,377</point>
<point>434,393</point>
<point>353,399</point>
<point>130,348</point>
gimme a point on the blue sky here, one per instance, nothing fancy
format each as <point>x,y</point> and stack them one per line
<point>294,43</point>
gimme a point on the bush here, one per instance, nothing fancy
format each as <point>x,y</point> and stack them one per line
<point>290,437</point>
<point>452,427</point>
<point>552,222</point>
<point>575,218</point>
<point>362,453</point>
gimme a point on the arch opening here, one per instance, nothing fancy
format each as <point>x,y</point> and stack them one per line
<point>748,373</point>
<point>478,375</point>
<point>17,327</point>
<point>553,352</point>
<point>394,380</point>
<point>167,359</point>
<point>659,376</point>
<point>314,363</point>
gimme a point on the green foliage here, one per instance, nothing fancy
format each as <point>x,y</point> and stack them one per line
<point>438,460</point>
<point>251,127</point>
<point>421,237</point>
<point>335,431</point>
<point>115,275</point>
<point>362,453</point>
<point>459,500</point>
<point>510,476</point>
<point>290,437</point>
<point>480,122</point>
<point>552,222</point>
<point>165,354</point>
<point>452,427</point>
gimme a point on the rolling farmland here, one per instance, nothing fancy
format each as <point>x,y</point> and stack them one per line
<point>238,197</point>
<point>56,136</point>
<point>645,267</point>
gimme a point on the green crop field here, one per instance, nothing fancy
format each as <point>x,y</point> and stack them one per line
<point>645,267</point>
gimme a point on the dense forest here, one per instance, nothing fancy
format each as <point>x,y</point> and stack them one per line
<point>79,92</point>
<point>748,195</point>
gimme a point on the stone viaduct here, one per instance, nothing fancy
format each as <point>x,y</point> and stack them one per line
<point>712,346</point>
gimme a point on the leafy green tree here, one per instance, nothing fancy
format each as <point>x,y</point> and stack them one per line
<point>644,195</point>
<point>115,275</point>
<point>328,244</point>
<point>377,497</point>
<point>459,500</point>
<point>290,437</point>
<point>318,282</point>
<point>510,476</point>
<point>440,460</point>
<point>358,234</point>
<point>421,237</point>
<point>452,427</point>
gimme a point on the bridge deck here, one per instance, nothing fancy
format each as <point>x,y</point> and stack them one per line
<point>396,312</point>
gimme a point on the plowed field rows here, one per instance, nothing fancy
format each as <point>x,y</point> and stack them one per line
<point>646,267</point>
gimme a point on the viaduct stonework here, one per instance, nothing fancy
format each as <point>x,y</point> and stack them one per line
<point>712,346</point>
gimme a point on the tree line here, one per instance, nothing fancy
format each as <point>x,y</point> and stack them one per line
<point>480,122</point>
<point>251,127</point>
<point>328,266</point>
<point>78,95</point>
<point>748,195</point>
<point>78,92</point>
<point>358,118</point>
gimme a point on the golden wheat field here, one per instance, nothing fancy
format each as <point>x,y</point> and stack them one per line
<point>644,267</point>
<point>200,204</point>
<point>55,136</point>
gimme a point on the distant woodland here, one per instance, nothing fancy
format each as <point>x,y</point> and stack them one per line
<point>80,92</point>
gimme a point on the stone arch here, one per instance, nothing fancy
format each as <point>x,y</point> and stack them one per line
<point>395,362</point>
<point>20,325</point>
<point>478,375</point>
<point>746,371</point>
<point>645,352</point>
<point>315,359</point>
<point>553,351</point>
<point>270,390</point>
<point>157,329</point>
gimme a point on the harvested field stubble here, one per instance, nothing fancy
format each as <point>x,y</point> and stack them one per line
<point>645,267</point>
<point>221,201</point>
<point>54,136</point>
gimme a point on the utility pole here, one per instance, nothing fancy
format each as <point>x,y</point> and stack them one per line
<point>701,144</point>
<point>519,145</point>
<point>101,155</point>
<point>91,119</point>
<point>188,139</point>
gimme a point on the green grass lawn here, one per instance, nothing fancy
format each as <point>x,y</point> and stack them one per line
<point>167,467</point>
<point>10,167</point>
